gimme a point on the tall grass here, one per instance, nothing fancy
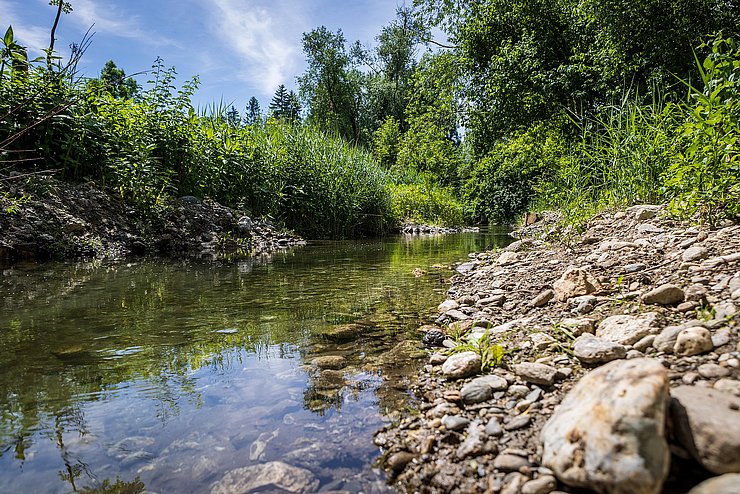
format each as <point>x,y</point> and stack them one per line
<point>635,152</point>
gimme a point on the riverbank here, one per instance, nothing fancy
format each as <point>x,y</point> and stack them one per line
<point>620,371</point>
<point>44,218</point>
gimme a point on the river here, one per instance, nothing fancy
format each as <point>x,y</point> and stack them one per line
<point>168,375</point>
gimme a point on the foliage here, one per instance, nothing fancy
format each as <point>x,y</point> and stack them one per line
<point>430,144</point>
<point>254,112</point>
<point>114,81</point>
<point>490,353</point>
<point>704,178</point>
<point>386,141</point>
<point>502,184</point>
<point>427,203</point>
<point>331,84</point>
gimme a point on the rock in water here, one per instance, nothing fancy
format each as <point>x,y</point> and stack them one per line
<point>707,423</point>
<point>608,433</point>
<point>461,365</point>
<point>272,476</point>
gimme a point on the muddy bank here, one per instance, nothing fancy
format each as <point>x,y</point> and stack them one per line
<point>619,374</point>
<point>44,218</point>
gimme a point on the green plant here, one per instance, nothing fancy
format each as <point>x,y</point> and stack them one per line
<point>704,179</point>
<point>490,353</point>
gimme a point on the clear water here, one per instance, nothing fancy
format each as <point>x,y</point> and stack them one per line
<point>170,374</point>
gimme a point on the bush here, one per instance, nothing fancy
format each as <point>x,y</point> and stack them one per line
<point>425,204</point>
<point>503,184</point>
<point>704,177</point>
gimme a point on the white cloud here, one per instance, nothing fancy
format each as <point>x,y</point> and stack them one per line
<point>267,48</point>
<point>110,20</point>
<point>36,38</point>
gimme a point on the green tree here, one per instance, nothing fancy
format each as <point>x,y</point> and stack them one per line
<point>254,112</point>
<point>331,84</point>
<point>293,108</point>
<point>113,81</point>
<point>279,104</point>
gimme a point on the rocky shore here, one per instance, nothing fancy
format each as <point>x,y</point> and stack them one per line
<point>45,218</point>
<point>620,368</point>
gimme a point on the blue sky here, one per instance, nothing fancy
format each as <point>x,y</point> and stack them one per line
<point>239,48</point>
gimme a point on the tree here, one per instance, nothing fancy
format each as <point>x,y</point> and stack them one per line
<point>293,108</point>
<point>232,117</point>
<point>113,81</point>
<point>62,7</point>
<point>331,84</point>
<point>279,104</point>
<point>254,112</point>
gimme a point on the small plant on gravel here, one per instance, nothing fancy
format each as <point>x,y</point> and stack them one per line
<point>490,353</point>
<point>564,338</point>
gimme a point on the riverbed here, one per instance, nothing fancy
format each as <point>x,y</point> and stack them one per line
<point>170,374</point>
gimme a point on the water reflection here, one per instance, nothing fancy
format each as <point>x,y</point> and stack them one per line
<point>172,374</point>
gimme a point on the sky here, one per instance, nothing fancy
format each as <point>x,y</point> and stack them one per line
<point>238,48</point>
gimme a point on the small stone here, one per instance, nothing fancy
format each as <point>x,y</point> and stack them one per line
<point>334,362</point>
<point>728,483</point>
<point>730,386</point>
<point>438,359</point>
<point>457,315</point>
<point>693,341</point>
<point>649,229</point>
<point>712,371</point>
<point>721,337</point>
<point>575,282</point>
<point>518,422</point>
<point>543,298</point>
<point>626,329</point>
<point>536,373</point>
<point>513,483</point>
<point>510,463</point>
<point>707,423</point>
<point>398,461</point>
<point>582,305</point>
<point>665,341</point>
<point>634,268</point>
<point>493,427</point>
<point>644,343</point>
<point>541,485</point>
<point>518,390</point>
<point>577,326</point>
<point>455,423</point>
<point>273,476</point>
<point>461,365</point>
<point>695,253</point>
<point>482,388</point>
<point>667,294</point>
<point>592,350</point>
<point>447,305</point>
<point>689,378</point>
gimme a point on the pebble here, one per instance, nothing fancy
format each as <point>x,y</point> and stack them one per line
<point>536,373</point>
<point>455,423</point>
<point>693,341</point>
<point>712,371</point>
<point>518,422</point>
<point>541,485</point>
<point>510,463</point>
<point>493,427</point>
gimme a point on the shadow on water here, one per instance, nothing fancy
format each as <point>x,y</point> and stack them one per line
<point>167,374</point>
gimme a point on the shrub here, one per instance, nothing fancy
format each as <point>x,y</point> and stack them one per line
<point>426,204</point>
<point>704,177</point>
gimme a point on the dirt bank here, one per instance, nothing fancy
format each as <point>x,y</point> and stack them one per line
<point>634,320</point>
<point>44,218</point>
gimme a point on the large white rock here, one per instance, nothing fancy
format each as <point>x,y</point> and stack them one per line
<point>608,433</point>
<point>592,350</point>
<point>461,365</point>
<point>707,423</point>
<point>627,330</point>
<point>273,476</point>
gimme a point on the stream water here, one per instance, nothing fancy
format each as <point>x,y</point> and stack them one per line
<point>168,375</point>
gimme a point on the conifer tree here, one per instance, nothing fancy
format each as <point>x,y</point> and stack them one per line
<point>254,112</point>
